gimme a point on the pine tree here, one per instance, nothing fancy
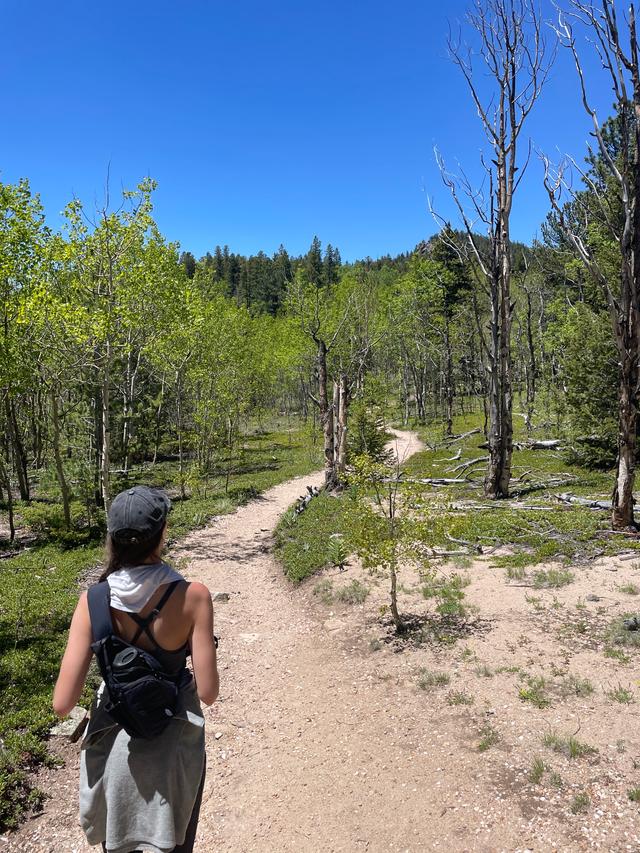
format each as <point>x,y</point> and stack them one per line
<point>313,263</point>
<point>189,263</point>
<point>330,265</point>
<point>219,263</point>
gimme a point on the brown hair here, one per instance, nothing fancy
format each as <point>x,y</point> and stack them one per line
<point>119,554</point>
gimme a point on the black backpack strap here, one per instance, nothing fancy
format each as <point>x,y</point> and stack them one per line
<point>147,620</point>
<point>98,599</point>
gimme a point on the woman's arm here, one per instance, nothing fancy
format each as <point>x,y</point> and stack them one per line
<point>203,649</point>
<point>75,662</point>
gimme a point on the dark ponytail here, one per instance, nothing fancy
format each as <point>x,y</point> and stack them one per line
<point>120,554</point>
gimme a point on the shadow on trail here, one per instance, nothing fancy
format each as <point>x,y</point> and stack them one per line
<point>426,629</point>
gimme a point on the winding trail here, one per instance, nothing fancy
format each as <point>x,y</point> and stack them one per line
<point>310,747</point>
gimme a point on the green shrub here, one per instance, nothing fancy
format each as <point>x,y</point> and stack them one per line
<point>535,692</point>
<point>489,737</point>
<point>448,592</point>
<point>576,686</point>
<point>337,551</point>
<point>580,803</point>
<point>353,593</point>
<point>537,771</point>
<point>568,745</point>
<point>324,590</point>
<point>46,520</point>
<point>618,635</point>
<point>428,678</point>
<point>459,697</point>
<point>367,436</point>
<point>621,694</point>
<point>552,578</point>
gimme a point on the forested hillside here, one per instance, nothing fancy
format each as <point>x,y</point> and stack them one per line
<point>118,350</point>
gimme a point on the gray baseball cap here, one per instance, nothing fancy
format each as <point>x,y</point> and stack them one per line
<point>137,514</point>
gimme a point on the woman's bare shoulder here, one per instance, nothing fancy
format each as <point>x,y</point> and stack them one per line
<point>197,592</point>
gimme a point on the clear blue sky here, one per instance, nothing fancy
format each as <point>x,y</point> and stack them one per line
<point>262,122</point>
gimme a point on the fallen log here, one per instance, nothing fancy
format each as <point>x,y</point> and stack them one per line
<point>429,481</point>
<point>565,497</point>
<point>472,545</point>
<point>437,552</point>
<point>453,438</point>
<point>304,500</point>
<point>464,465</point>
<point>532,444</point>
<point>540,444</point>
<point>456,457</point>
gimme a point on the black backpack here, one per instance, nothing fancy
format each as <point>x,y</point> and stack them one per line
<point>141,696</point>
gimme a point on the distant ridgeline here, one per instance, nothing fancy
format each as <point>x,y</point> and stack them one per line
<point>260,281</point>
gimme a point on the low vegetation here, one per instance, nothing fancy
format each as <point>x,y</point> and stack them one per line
<point>428,678</point>
<point>40,589</point>
<point>568,745</point>
<point>489,737</point>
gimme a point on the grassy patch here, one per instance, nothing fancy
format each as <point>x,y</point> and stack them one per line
<point>634,795</point>
<point>353,593</point>
<point>555,531</point>
<point>516,573</point>
<point>573,685</point>
<point>428,678</point>
<point>629,589</point>
<point>535,692</point>
<point>568,745</point>
<point>324,590</point>
<point>537,771</point>
<point>459,697</point>
<point>38,594</point>
<point>580,803</point>
<point>488,737</point>
<point>621,694</point>
<point>617,635</point>
<point>552,578</point>
<point>616,654</point>
<point>303,542</point>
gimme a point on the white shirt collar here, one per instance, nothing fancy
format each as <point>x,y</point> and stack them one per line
<point>132,586</point>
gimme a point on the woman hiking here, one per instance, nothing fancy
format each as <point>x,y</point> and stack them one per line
<point>140,792</point>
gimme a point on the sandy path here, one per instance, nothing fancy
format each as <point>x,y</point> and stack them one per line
<point>319,744</point>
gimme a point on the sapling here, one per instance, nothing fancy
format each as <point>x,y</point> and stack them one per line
<point>377,529</point>
<point>384,531</point>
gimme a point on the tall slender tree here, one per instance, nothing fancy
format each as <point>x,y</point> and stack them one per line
<point>612,207</point>
<point>513,50</point>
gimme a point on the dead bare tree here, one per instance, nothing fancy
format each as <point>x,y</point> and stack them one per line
<point>308,303</point>
<point>515,53</point>
<point>620,62</point>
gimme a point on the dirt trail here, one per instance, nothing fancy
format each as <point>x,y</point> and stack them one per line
<point>320,740</point>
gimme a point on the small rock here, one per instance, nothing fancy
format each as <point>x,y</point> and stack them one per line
<point>592,597</point>
<point>72,726</point>
<point>221,596</point>
<point>218,735</point>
